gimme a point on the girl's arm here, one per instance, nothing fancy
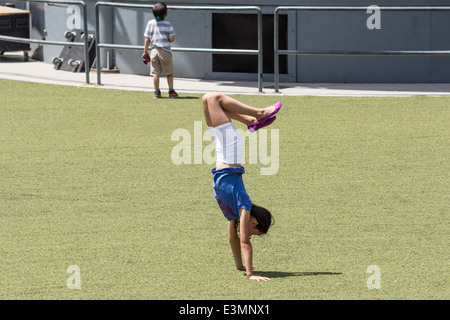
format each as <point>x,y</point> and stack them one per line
<point>246,245</point>
<point>235,244</point>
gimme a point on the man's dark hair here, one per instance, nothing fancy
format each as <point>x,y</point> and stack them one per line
<point>160,10</point>
<point>263,216</point>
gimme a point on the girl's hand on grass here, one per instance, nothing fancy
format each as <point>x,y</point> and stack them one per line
<point>258,278</point>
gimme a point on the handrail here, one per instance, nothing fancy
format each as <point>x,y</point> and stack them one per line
<point>277,52</point>
<point>61,43</point>
<point>258,52</point>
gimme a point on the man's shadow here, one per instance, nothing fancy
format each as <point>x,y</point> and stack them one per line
<point>282,274</point>
<point>181,98</point>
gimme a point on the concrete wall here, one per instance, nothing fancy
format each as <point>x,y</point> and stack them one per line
<point>401,31</point>
<point>306,31</point>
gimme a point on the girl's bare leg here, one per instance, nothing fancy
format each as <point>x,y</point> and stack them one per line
<point>220,109</point>
<point>214,114</point>
<point>247,120</point>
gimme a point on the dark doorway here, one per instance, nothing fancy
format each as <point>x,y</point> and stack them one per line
<point>239,31</point>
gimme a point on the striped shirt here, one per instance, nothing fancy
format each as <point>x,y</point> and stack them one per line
<point>159,33</point>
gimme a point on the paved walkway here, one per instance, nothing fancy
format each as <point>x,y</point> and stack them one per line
<point>13,67</point>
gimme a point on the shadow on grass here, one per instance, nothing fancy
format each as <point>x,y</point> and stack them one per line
<point>281,274</point>
<point>180,98</point>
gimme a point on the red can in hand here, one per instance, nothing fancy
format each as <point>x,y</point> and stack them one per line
<point>146,59</point>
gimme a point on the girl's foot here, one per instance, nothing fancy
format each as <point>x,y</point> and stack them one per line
<point>270,112</point>
<point>259,125</point>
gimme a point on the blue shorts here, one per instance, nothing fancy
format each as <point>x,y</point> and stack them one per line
<point>230,192</point>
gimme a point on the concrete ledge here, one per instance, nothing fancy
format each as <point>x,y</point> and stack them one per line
<point>13,67</point>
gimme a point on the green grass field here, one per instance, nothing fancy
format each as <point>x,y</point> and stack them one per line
<point>86,179</point>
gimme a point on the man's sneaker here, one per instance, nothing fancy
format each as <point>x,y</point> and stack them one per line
<point>173,94</point>
<point>157,94</point>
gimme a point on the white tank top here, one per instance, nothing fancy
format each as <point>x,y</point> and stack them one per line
<point>229,144</point>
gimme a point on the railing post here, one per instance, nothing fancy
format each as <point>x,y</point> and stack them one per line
<point>276,65</point>
<point>97,43</point>
<point>260,51</point>
<point>87,68</point>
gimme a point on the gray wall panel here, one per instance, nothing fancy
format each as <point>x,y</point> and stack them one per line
<point>344,31</point>
<point>307,31</point>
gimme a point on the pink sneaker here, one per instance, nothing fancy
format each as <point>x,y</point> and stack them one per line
<point>267,120</point>
<point>277,108</point>
<point>259,125</point>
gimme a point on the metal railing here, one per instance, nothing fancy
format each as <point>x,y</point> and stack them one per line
<point>258,52</point>
<point>84,44</point>
<point>277,52</point>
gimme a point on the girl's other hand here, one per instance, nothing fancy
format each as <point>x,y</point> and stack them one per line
<point>258,278</point>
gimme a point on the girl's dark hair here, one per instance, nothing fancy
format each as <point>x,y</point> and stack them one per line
<point>160,10</point>
<point>264,218</point>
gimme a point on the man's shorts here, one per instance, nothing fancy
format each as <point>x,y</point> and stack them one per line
<point>161,62</point>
